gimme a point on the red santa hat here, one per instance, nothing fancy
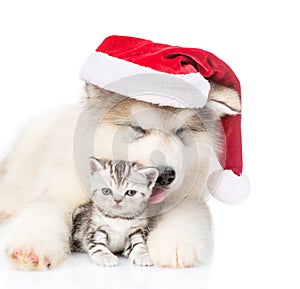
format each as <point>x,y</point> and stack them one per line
<point>127,58</point>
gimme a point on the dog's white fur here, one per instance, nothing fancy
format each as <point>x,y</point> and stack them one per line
<point>45,175</point>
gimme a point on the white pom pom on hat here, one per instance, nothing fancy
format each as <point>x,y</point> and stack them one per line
<point>227,187</point>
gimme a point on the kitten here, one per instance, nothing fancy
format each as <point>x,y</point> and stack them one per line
<point>114,220</point>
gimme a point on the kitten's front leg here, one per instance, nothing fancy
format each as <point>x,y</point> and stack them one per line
<point>137,250</point>
<point>96,246</point>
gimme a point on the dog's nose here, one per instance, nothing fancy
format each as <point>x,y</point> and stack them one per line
<point>166,177</point>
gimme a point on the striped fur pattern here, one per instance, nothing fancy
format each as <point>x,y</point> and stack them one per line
<point>114,220</point>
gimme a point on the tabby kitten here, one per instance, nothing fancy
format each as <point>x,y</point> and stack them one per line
<point>114,220</point>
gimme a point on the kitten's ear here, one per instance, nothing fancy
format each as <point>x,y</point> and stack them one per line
<point>223,100</point>
<point>95,165</point>
<point>150,173</point>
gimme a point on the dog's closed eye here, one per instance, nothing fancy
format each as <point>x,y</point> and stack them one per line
<point>138,129</point>
<point>187,129</point>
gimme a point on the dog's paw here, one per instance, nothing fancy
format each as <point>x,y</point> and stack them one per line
<point>105,259</point>
<point>168,249</point>
<point>142,260</point>
<point>33,253</point>
<point>28,259</point>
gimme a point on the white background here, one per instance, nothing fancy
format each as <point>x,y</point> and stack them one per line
<point>44,44</point>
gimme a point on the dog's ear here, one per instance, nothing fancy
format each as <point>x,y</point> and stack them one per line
<point>93,91</point>
<point>223,100</point>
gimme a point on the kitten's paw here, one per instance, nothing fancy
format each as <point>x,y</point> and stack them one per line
<point>169,250</point>
<point>105,259</point>
<point>28,259</point>
<point>142,260</point>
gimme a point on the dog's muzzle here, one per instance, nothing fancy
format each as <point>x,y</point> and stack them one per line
<point>166,176</point>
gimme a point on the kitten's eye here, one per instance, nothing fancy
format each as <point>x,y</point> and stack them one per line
<point>138,129</point>
<point>130,193</point>
<point>106,191</point>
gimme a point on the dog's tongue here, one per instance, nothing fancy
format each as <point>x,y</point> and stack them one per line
<point>158,195</point>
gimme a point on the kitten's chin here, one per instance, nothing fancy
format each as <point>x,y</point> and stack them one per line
<point>118,211</point>
<point>117,207</point>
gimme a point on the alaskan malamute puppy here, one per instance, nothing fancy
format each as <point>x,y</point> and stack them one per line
<point>45,176</point>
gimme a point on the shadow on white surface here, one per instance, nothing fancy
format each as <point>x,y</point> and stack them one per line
<point>79,272</point>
